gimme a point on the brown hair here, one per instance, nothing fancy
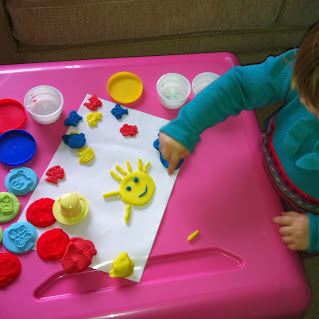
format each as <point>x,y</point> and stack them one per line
<point>305,76</point>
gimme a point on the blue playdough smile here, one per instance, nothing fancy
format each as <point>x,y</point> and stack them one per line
<point>144,192</point>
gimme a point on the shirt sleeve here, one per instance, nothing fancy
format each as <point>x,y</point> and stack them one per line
<point>314,233</point>
<point>240,88</point>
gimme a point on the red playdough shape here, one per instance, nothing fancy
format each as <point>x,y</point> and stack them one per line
<point>10,268</point>
<point>52,244</point>
<point>94,103</point>
<point>78,255</point>
<point>54,173</point>
<point>128,130</point>
<point>40,213</point>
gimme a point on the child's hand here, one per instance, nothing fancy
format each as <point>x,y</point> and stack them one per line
<point>295,232</point>
<point>172,151</point>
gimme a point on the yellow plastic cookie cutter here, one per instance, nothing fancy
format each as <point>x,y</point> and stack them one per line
<point>70,209</point>
<point>125,87</point>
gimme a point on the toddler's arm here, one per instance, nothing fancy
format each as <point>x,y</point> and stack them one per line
<point>241,88</point>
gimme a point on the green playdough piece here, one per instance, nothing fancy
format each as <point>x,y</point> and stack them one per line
<point>0,234</point>
<point>9,207</point>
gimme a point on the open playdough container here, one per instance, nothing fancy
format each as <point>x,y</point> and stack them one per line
<point>44,103</point>
<point>173,90</point>
<point>202,80</point>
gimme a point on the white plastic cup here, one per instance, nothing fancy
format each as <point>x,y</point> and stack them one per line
<point>202,80</point>
<point>173,90</point>
<point>44,103</point>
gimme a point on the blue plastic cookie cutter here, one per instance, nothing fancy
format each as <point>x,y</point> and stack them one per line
<point>73,119</point>
<point>16,147</point>
<point>20,237</point>
<point>21,180</point>
<point>164,162</point>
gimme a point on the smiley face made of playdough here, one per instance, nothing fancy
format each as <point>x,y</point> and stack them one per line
<point>136,188</point>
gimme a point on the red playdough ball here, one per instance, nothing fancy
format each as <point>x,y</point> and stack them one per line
<point>40,213</point>
<point>78,255</point>
<point>52,244</point>
<point>10,268</point>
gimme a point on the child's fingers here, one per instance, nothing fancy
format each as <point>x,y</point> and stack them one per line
<point>173,160</point>
<point>287,240</point>
<point>285,231</point>
<point>282,220</point>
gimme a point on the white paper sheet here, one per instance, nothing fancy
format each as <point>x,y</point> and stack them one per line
<point>105,225</point>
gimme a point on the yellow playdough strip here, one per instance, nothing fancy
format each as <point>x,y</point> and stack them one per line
<point>140,165</point>
<point>115,176</point>
<point>191,236</point>
<point>127,213</point>
<point>129,167</point>
<point>110,194</point>
<point>121,170</point>
<point>145,167</point>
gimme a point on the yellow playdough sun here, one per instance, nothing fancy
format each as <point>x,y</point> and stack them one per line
<point>136,188</point>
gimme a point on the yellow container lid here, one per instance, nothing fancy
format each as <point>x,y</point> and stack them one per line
<point>125,87</point>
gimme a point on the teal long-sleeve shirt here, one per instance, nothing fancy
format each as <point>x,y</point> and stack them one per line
<point>246,88</point>
<point>241,88</point>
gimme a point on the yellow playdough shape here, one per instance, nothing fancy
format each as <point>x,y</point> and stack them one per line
<point>86,155</point>
<point>123,266</point>
<point>191,236</point>
<point>92,118</point>
<point>136,188</point>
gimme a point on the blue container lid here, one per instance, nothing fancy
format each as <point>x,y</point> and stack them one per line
<point>16,147</point>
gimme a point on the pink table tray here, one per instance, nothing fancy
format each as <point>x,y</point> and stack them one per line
<point>237,267</point>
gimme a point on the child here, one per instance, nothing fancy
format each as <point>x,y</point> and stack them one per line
<point>291,143</point>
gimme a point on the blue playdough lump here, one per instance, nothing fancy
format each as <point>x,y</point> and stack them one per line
<point>73,119</point>
<point>164,162</point>
<point>21,180</point>
<point>74,140</point>
<point>118,111</point>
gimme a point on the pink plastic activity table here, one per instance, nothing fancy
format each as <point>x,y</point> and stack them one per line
<point>237,267</point>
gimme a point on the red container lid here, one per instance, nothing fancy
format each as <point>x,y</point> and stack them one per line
<point>12,115</point>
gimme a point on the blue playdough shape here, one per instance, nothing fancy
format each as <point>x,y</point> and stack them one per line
<point>118,111</point>
<point>16,147</point>
<point>21,180</point>
<point>20,237</point>
<point>164,162</point>
<point>73,119</point>
<point>74,140</point>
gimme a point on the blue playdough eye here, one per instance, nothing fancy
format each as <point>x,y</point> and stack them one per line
<point>135,179</point>
<point>128,188</point>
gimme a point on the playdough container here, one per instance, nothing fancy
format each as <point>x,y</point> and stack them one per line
<point>44,103</point>
<point>173,90</point>
<point>202,80</point>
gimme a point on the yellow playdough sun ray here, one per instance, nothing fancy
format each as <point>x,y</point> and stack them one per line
<point>121,170</point>
<point>136,188</point>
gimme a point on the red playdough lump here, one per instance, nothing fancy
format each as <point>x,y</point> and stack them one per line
<point>10,268</point>
<point>52,244</point>
<point>78,255</point>
<point>40,213</point>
